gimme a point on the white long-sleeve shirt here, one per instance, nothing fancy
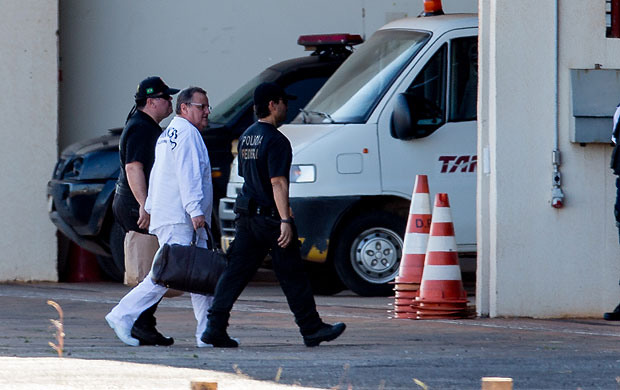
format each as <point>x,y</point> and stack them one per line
<point>180,182</point>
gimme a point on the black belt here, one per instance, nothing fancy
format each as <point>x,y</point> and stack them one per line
<point>266,211</point>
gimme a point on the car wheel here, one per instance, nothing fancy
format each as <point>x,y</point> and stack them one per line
<point>368,253</point>
<point>114,267</point>
<point>323,278</point>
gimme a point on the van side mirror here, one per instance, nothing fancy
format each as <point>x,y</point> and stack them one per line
<point>414,117</point>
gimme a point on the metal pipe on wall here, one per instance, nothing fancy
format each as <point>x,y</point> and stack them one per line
<point>557,195</point>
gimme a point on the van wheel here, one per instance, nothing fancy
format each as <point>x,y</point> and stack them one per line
<point>368,252</point>
<point>114,266</point>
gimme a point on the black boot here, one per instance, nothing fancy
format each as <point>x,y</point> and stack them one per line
<point>218,338</point>
<point>325,333</point>
<point>614,315</point>
<point>150,336</point>
<point>144,329</point>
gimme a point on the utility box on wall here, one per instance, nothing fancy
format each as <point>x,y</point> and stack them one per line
<point>596,93</point>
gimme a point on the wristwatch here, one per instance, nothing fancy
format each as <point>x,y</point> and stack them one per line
<point>288,220</point>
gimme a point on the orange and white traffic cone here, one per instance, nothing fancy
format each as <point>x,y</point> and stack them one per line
<point>402,306</point>
<point>409,276</point>
<point>441,292</point>
<point>416,236</point>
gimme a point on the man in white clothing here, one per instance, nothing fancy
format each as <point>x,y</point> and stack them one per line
<point>179,202</point>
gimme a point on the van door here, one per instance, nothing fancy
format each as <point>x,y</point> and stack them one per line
<point>443,89</point>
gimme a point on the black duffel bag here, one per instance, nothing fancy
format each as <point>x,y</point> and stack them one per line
<point>188,267</point>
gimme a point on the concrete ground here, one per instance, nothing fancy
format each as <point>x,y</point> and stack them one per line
<point>374,353</point>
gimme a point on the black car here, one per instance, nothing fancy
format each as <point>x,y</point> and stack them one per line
<point>82,187</point>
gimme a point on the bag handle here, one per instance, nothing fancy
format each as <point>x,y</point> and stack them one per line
<point>210,239</point>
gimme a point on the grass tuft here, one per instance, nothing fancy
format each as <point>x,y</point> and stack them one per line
<point>58,324</point>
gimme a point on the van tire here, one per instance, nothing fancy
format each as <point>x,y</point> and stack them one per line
<point>114,266</point>
<point>369,274</point>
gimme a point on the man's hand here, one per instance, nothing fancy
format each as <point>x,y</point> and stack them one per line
<point>198,222</point>
<point>286,234</point>
<point>144,219</point>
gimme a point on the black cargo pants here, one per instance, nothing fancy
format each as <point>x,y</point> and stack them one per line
<point>617,206</point>
<point>126,212</point>
<point>255,236</point>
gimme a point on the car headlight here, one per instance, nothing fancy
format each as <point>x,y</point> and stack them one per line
<point>302,173</point>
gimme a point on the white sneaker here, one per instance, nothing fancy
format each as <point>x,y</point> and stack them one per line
<point>122,332</point>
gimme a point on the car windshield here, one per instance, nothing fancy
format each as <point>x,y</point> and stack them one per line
<point>240,99</point>
<point>351,94</point>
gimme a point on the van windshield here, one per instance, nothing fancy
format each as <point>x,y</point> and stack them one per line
<point>350,95</point>
<point>240,99</point>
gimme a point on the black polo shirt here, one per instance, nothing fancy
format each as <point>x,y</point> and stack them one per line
<point>137,143</point>
<point>264,153</point>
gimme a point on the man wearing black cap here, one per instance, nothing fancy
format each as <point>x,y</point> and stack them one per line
<point>137,154</point>
<point>264,225</point>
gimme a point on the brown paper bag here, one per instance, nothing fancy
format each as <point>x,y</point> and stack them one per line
<point>139,252</point>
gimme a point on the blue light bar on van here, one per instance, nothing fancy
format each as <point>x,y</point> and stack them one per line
<point>329,40</point>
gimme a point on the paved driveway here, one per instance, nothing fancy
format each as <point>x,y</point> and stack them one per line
<point>374,353</point>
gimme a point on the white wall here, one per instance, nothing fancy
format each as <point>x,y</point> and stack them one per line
<point>28,106</point>
<point>535,260</point>
<point>107,47</point>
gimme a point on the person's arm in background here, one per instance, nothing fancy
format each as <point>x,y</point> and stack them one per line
<point>137,184</point>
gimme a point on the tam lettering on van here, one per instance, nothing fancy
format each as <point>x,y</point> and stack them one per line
<point>451,164</point>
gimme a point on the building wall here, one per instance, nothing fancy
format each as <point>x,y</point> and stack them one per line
<point>107,47</point>
<point>29,108</point>
<point>535,260</point>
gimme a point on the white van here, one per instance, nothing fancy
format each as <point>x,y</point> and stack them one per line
<point>403,104</point>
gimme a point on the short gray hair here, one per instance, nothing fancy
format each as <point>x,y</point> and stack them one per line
<point>186,95</point>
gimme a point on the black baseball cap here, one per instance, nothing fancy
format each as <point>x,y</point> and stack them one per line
<point>267,92</point>
<point>153,86</point>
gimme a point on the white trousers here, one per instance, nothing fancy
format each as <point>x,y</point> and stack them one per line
<point>147,293</point>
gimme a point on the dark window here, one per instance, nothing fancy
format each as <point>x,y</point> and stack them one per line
<point>238,103</point>
<point>612,18</point>
<point>427,92</point>
<point>463,79</point>
<point>304,90</point>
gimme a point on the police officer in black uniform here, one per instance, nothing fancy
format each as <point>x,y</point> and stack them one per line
<point>265,224</point>
<point>615,167</point>
<point>137,155</point>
